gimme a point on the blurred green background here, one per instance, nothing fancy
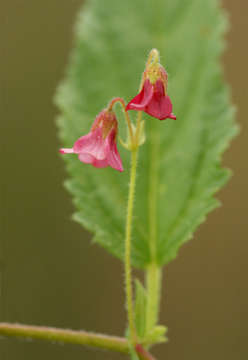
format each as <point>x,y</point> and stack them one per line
<point>50,273</point>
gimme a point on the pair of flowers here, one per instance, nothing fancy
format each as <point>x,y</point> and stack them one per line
<point>99,147</point>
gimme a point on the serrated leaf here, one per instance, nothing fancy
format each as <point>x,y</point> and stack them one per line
<point>179,169</point>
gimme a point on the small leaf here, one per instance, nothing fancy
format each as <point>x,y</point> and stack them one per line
<point>179,165</point>
<point>156,336</point>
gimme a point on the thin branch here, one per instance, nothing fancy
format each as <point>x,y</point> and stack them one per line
<point>113,343</point>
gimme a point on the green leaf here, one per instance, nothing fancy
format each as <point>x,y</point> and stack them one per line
<point>179,169</point>
<point>155,336</point>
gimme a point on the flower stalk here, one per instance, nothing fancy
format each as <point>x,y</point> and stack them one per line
<point>128,269</point>
<point>132,145</point>
<point>126,114</point>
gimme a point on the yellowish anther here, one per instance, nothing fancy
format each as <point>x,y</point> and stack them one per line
<point>151,69</point>
<point>153,57</point>
<point>153,73</point>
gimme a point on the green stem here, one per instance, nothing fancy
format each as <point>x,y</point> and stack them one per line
<point>128,270</point>
<point>66,336</point>
<point>113,343</point>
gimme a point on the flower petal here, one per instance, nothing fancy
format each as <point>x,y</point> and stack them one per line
<point>172,116</point>
<point>140,101</point>
<point>89,159</point>
<point>86,158</point>
<point>66,151</point>
<point>92,144</point>
<point>160,108</point>
<point>160,105</point>
<point>113,156</point>
<point>100,163</point>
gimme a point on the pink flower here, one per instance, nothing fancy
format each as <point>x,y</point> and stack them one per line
<point>99,148</point>
<point>152,98</point>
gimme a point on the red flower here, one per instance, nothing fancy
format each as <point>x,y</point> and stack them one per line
<point>153,98</point>
<point>99,146</point>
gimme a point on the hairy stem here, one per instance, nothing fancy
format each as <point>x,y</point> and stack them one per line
<point>113,343</point>
<point>128,270</point>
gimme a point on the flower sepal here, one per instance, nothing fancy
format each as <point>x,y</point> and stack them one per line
<point>139,137</point>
